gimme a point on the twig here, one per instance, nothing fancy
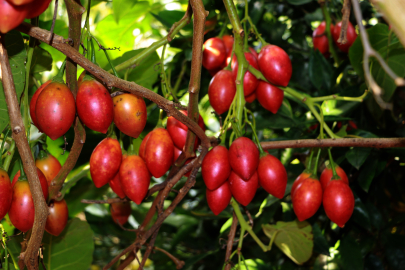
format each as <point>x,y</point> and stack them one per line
<point>231,237</point>
<point>108,201</point>
<point>345,22</point>
<point>179,263</point>
<point>55,14</point>
<point>249,216</point>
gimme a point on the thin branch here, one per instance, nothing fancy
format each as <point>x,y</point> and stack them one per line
<point>179,264</point>
<point>345,22</point>
<point>231,237</point>
<point>108,201</point>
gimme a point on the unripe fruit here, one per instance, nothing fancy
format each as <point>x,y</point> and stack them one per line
<point>307,198</point>
<point>214,53</point>
<point>120,212</point>
<point>327,174</point>
<point>272,175</point>
<point>5,193</point>
<point>48,165</point>
<point>57,218</point>
<point>218,199</point>
<point>243,191</point>
<point>33,103</point>
<point>275,65</point>
<point>243,157</point>
<point>269,96</point>
<point>215,167</point>
<point>338,202</point>
<point>130,114</point>
<point>221,91</point>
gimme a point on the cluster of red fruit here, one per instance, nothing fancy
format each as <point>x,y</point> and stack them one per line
<point>16,197</point>
<point>239,172</point>
<point>308,193</point>
<point>320,39</point>
<point>272,61</point>
<point>13,12</point>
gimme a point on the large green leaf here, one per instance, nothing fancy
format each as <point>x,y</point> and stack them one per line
<point>41,60</point>
<point>122,7</point>
<point>72,249</point>
<point>350,254</point>
<point>320,72</point>
<point>357,156</point>
<point>294,238</point>
<point>17,56</point>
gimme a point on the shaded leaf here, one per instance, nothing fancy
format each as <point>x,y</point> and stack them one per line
<point>350,254</point>
<point>320,244</point>
<point>320,72</point>
<point>360,213</point>
<point>372,262</point>
<point>357,156</point>
<point>299,2</point>
<point>41,60</point>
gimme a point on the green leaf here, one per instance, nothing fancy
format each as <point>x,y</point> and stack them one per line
<point>293,238</point>
<point>357,156</point>
<point>226,225</point>
<point>16,56</point>
<point>367,174</point>
<point>168,17</point>
<point>41,60</point>
<point>320,72</point>
<point>360,213</point>
<point>320,244</point>
<point>72,249</point>
<point>253,264</point>
<point>122,7</point>
<point>350,254</point>
<point>299,2</point>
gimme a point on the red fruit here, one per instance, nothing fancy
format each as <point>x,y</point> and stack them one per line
<point>243,191</point>
<point>253,51</point>
<point>5,193</point>
<point>219,198</point>
<point>11,15</point>
<point>251,97</point>
<point>221,91</point>
<point>275,65</point>
<point>33,103</point>
<point>228,41</point>
<point>94,105</point>
<point>244,157</point>
<point>22,210</point>
<point>320,39</point>
<point>130,114</point>
<point>116,186</point>
<point>157,151</point>
<point>177,153</point>
<point>250,82</point>
<point>351,36</point>
<point>178,131</point>
<point>215,167</point>
<point>48,165</point>
<point>37,7</point>
<point>20,2</point>
<point>105,161</point>
<point>42,180</point>
<point>55,110</point>
<point>214,53</point>
<point>307,198</point>
<point>135,178</point>
<point>57,218</point>
<point>327,175</point>
<point>269,96</point>
<point>304,175</point>
<point>272,175</point>
<point>338,202</point>
<point>120,212</point>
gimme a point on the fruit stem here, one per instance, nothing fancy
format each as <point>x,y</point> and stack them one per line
<point>134,146</point>
<point>314,172</point>
<point>328,33</point>
<point>310,159</point>
<point>59,76</point>
<point>107,56</point>
<point>93,52</point>
<point>9,156</point>
<point>121,140</point>
<point>160,121</point>
<point>111,132</point>
<point>253,125</point>
<point>2,147</point>
<point>332,165</point>
<point>42,154</point>
<point>246,226</point>
<point>23,176</point>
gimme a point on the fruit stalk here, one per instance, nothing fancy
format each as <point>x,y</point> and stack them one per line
<point>332,165</point>
<point>329,34</point>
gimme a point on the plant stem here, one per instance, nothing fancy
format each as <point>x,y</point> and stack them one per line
<point>4,239</point>
<point>328,33</point>
<point>9,157</point>
<point>316,163</point>
<point>335,97</point>
<point>2,146</point>
<point>332,165</point>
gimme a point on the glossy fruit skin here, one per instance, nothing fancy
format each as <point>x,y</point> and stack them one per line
<point>272,175</point>
<point>251,97</point>
<point>228,41</point>
<point>327,174</point>
<point>33,103</point>
<point>55,110</point>
<point>338,202</point>
<point>178,131</point>
<point>304,175</point>
<point>105,161</point>
<point>269,96</point>
<point>94,105</point>
<point>351,36</point>
<point>158,151</point>
<point>20,2</point>
<point>5,193</point>
<point>307,198</point>
<point>215,167</point>
<point>57,218</point>
<point>275,65</point>
<point>243,157</point>
<point>221,91</point>
<point>135,178</point>
<point>214,53</point>
<point>218,199</point>
<point>243,191</point>
<point>130,114</point>
<point>120,212</point>
<point>42,180</point>
<point>49,166</point>
<point>177,153</point>
<point>250,82</point>
<point>22,210</point>
<point>320,39</point>
<point>253,51</point>
<point>37,7</point>
<point>116,186</point>
<point>11,15</point>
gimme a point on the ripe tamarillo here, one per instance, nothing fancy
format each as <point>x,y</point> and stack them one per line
<point>5,193</point>
<point>214,53</point>
<point>307,198</point>
<point>228,41</point>
<point>94,105</point>
<point>20,2</point>
<point>116,186</point>
<point>177,153</point>
<point>327,174</point>
<point>37,7</point>
<point>57,218</point>
<point>221,91</point>
<point>42,180</point>
<point>253,51</point>
<point>269,96</point>
<point>338,202</point>
<point>250,82</point>
<point>218,199</point>
<point>275,65</point>
<point>304,175</point>
<point>251,97</point>
<point>48,165</point>
<point>320,39</point>
<point>11,15</point>
<point>243,157</point>
<point>272,175</point>
<point>351,36</point>
<point>215,167</point>
<point>135,178</point>
<point>33,103</point>
<point>120,212</point>
<point>243,191</point>
<point>105,161</point>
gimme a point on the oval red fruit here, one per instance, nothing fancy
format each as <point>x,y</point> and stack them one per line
<point>250,82</point>
<point>42,180</point>
<point>219,198</point>
<point>338,202</point>
<point>57,218</point>
<point>269,96</point>
<point>37,7</point>
<point>243,191</point>
<point>130,114</point>
<point>351,36</point>
<point>48,165</point>
<point>243,157</point>
<point>221,91</point>
<point>327,174</point>
<point>275,65</point>
<point>251,97</point>
<point>228,41</point>
<point>11,15</point>
<point>22,210</point>
<point>33,103</point>
<point>5,193</point>
<point>215,167</point>
<point>272,175</point>
<point>253,51</point>
<point>120,212</point>
<point>320,40</point>
<point>304,175</point>
<point>116,186</point>
<point>214,53</point>
<point>20,2</point>
<point>307,198</point>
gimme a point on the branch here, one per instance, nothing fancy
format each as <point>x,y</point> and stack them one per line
<point>108,201</point>
<point>345,22</point>
<point>231,237</point>
<point>19,135</point>
<point>179,264</point>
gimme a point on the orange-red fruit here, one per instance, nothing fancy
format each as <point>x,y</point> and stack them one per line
<point>116,186</point>
<point>269,96</point>
<point>49,166</point>
<point>219,198</point>
<point>250,82</point>
<point>307,198</point>
<point>22,210</point>
<point>33,103</point>
<point>320,39</point>
<point>221,91</point>
<point>157,151</point>
<point>177,153</point>
<point>304,175</point>
<point>228,41</point>
<point>275,65</point>
<point>37,7</point>
<point>94,105</point>
<point>244,157</point>
<point>272,175</point>
<point>351,36</point>
<point>57,218</point>
<point>5,193</point>
<point>120,212</point>
<point>135,178</point>
<point>327,174</point>
<point>105,161</point>
<point>130,114</point>
<point>20,2</point>
<point>214,53</point>
<point>215,167</point>
<point>251,97</point>
<point>11,15</point>
<point>338,202</point>
<point>55,110</point>
<point>243,191</point>
<point>42,180</point>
